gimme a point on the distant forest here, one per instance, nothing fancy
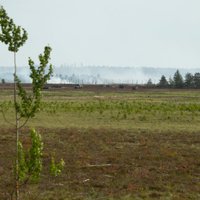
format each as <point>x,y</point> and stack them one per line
<point>189,81</point>
<point>146,76</point>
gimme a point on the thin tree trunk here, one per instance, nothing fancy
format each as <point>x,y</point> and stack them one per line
<point>16,132</point>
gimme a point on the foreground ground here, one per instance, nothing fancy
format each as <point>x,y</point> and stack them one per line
<point>116,144</point>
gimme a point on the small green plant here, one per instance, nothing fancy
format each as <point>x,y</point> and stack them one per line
<point>56,168</point>
<point>30,161</point>
<point>23,170</point>
<point>34,156</point>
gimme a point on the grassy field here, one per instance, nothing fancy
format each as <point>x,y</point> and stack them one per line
<point>117,144</point>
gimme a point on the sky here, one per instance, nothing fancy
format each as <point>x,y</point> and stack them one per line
<point>154,33</point>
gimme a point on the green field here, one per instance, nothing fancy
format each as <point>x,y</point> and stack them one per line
<point>116,144</point>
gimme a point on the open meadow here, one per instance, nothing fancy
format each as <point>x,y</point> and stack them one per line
<point>117,143</point>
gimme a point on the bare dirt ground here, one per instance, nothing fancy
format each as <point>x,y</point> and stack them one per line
<point>105,164</point>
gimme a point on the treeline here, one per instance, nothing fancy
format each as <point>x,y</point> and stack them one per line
<point>190,80</point>
<point>178,81</point>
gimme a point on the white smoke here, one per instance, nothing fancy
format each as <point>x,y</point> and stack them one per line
<point>97,74</point>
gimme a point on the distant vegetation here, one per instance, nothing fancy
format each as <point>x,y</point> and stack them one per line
<point>189,81</point>
<point>2,80</point>
<point>74,74</point>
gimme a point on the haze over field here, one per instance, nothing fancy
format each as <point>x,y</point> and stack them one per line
<point>98,74</point>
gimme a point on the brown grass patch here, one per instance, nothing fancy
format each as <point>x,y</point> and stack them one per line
<point>103,163</point>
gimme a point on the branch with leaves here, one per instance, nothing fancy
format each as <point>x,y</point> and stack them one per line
<point>12,35</point>
<point>29,104</point>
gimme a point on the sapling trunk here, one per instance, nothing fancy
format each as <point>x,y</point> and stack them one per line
<point>16,132</point>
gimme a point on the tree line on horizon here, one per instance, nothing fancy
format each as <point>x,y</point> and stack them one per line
<point>177,81</point>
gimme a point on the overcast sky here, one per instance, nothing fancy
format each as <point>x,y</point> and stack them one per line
<point>156,33</point>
